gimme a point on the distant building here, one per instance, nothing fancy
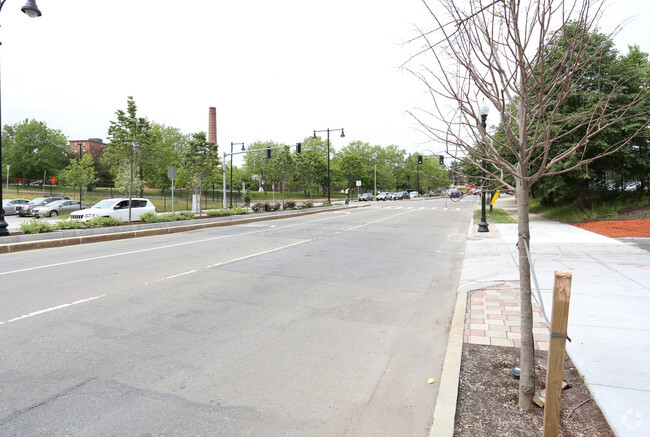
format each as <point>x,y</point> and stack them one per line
<point>94,146</point>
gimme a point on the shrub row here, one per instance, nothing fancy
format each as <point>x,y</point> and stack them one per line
<point>36,226</point>
<point>276,206</point>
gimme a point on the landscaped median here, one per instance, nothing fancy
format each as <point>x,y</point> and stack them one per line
<point>57,238</point>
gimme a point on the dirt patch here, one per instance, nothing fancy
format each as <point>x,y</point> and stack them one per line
<point>618,228</point>
<point>487,398</point>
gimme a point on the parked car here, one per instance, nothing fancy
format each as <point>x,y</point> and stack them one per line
<point>36,183</point>
<point>58,207</point>
<point>26,209</point>
<point>400,195</point>
<point>455,192</point>
<point>9,205</point>
<point>365,197</point>
<point>384,195</point>
<point>118,208</point>
<point>414,194</point>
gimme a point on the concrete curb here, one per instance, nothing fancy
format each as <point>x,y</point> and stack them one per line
<point>444,414</point>
<point>73,237</point>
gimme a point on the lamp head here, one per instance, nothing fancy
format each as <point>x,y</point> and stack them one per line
<point>342,133</point>
<point>243,149</point>
<point>484,108</point>
<point>31,9</point>
<point>314,137</point>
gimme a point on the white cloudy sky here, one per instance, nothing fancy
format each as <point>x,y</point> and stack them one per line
<point>275,70</point>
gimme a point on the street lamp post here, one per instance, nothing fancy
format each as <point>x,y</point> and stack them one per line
<point>242,148</point>
<point>32,11</point>
<point>328,130</point>
<point>80,182</point>
<point>483,226</point>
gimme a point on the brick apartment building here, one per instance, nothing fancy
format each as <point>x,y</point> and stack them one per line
<point>94,146</point>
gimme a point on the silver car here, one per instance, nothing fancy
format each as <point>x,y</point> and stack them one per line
<point>26,209</point>
<point>9,205</point>
<point>58,207</point>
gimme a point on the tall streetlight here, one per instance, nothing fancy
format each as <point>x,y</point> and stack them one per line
<point>328,130</point>
<point>483,226</point>
<point>31,10</point>
<point>80,182</point>
<point>242,149</point>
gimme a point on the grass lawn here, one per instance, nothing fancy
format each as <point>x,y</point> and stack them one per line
<point>497,215</point>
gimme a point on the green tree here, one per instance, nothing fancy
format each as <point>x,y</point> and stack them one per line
<point>311,170</point>
<point>282,168</point>
<point>165,151</point>
<point>256,162</point>
<point>31,149</point>
<point>130,138</point>
<point>199,159</point>
<point>80,173</point>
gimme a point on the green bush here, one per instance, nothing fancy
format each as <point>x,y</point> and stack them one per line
<point>290,204</point>
<point>150,217</point>
<point>36,226</point>
<point>187,215</point>
<point>69,224</point>
<point>308,204</point>
<point>100,222</point>
<point>225,212</point>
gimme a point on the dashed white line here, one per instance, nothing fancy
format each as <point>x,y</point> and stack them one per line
<point>58,307</point>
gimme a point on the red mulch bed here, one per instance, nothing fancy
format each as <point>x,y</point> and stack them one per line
<point>618,228</point>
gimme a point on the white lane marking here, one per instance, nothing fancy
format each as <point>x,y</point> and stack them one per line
<point>170,277</point>
<point>168,246</point>
<point>180,274</point>
<point>58,307</point>
<point>252,255</point>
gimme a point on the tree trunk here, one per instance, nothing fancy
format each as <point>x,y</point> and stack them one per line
<point>527,353</point>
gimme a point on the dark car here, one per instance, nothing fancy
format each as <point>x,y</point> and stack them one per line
<point>455,192</point>
<point>26,209</point>
<point>365,197</point>
<point>400,195</point>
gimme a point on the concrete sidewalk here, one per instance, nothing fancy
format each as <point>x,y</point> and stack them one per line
<point>608,316</point>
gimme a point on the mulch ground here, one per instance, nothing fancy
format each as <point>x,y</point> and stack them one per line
<point>618,228</point>
<point>487,398</point>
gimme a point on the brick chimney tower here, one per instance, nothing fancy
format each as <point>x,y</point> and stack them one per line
<point>212,125</point>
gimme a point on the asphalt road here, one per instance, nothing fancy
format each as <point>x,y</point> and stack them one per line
<point>329,324</point>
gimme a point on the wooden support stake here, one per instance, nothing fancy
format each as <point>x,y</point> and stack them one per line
<point>556,351</point>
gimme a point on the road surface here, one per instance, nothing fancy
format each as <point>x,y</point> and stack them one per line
<point>329,324</point>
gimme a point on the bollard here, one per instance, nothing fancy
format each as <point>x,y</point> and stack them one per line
<point>556,351</point>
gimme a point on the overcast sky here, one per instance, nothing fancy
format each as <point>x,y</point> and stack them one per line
<point>275,70</point>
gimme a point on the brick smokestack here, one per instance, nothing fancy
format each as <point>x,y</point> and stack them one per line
<point>212,125</point>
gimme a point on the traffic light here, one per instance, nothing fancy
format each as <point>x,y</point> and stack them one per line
<point>298,148</point>
<point>442,160</point>
<point>408,178</point>
<point>419,159</point>
<point>268,153</point>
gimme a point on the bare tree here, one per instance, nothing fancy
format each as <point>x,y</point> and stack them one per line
<point>525,59</point>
